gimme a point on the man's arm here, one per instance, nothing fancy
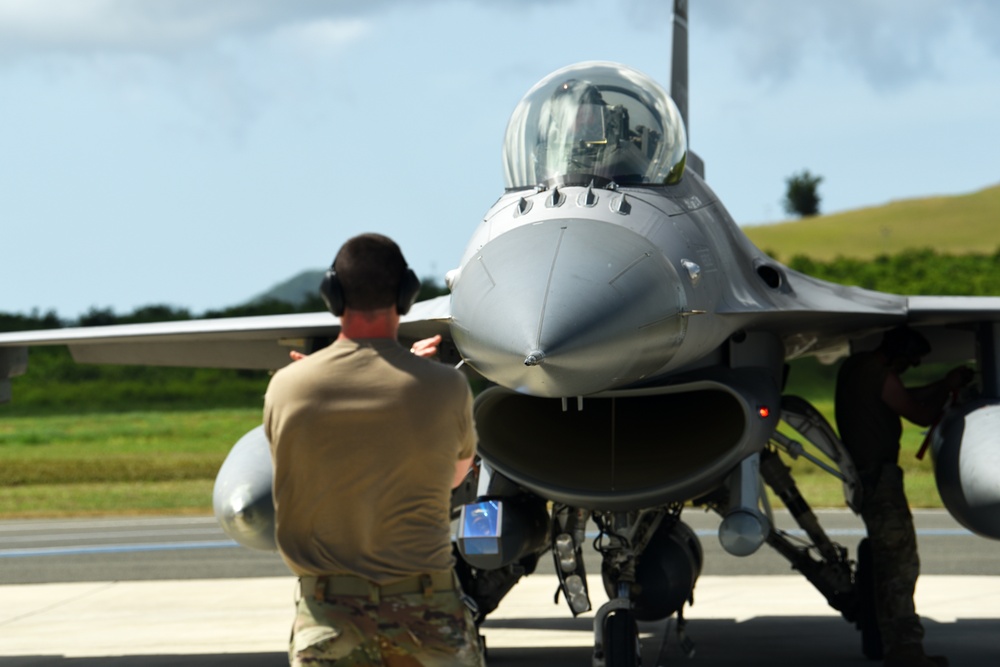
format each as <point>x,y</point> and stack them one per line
<point>923,405</point>
<point>461,470</point>
<point>955,379</point>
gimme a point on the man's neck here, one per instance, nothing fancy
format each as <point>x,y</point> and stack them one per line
<point>382,323</point>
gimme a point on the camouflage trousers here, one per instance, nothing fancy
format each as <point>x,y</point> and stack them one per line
<point>895,562</point>
<point>343,627</point>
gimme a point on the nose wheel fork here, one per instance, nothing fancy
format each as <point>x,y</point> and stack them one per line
<point>616,635</point>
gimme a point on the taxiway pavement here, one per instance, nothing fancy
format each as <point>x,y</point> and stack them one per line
<point>179,594</point>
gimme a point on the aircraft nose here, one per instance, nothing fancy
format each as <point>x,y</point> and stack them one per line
<point>567,308</point>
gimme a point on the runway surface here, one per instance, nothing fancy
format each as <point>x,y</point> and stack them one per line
<point>168,591</point>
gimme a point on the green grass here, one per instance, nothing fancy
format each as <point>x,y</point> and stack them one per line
<point>55,384</point>
<point>103,499</point>
<point>166,462</point>
<point>112,463</point>
<point>815,381</point>
<point>963,224</point>
<point>821,489</point>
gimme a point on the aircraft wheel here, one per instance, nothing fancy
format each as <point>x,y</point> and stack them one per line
<point>871,636</point>
<point>621,640</point>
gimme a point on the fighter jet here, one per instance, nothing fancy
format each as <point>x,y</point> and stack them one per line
<point>633,344</point>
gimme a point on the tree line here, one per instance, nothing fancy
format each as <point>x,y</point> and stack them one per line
<point>920,271</point>
<point>54,383</point>
<point>97,316</point>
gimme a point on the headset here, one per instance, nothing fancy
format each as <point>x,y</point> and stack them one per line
<point>333,292</point>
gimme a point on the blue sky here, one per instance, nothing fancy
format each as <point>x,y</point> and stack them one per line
<point>196,152</point>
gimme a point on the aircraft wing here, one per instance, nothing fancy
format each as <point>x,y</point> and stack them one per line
<point>261,342</point>
<point>953,310</point>
<point>815,317</point>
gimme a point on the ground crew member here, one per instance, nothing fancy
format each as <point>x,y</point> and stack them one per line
<point>870,399</point>
<point>367,441</point>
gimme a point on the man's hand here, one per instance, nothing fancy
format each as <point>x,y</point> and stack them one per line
<point>427,347</point>
<point>958,377</point>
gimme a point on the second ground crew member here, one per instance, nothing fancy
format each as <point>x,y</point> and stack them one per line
<point>870,400</point>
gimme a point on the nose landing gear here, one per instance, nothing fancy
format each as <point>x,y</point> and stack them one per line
<point>651,561</point>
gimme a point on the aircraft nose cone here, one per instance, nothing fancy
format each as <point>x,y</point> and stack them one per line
<point>567,308</point>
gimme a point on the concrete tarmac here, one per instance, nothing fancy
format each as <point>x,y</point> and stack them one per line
<point>172,591</point>
<point>773,620</point>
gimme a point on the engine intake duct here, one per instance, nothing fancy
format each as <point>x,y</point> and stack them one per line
<point>624,451</point>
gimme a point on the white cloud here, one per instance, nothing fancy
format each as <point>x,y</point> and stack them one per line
<point>43,27</point>
<point>321,37</point>
<point>40,27</point>
<point>206,69</point>
<point>891,43</point>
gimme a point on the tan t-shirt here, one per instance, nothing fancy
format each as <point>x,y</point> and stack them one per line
<point>364,437</point>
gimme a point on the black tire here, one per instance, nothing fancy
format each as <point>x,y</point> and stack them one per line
<point>621,640</point>
<point>871,636</point>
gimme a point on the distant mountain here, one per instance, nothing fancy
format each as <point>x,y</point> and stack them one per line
<point>955,225</point>
<point>304,286</point>
<point>295,290</point>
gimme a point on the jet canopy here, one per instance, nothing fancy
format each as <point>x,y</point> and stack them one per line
<point>596,121</point>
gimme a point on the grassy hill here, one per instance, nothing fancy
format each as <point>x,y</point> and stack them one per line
<point>962,224</point>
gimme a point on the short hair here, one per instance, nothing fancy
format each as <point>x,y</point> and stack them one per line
<point>370,268</point>
<point>904,342</point>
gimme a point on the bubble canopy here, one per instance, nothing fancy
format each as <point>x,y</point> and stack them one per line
<point>596,121</point>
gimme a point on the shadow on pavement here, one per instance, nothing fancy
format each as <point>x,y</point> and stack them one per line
<point>223,660</point>
<point>770,641</point>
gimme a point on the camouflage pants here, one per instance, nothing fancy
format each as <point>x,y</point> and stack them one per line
<point>406,630</point>
<point>895,561</point>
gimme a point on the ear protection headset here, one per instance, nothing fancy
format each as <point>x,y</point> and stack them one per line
<point>333,292</point>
